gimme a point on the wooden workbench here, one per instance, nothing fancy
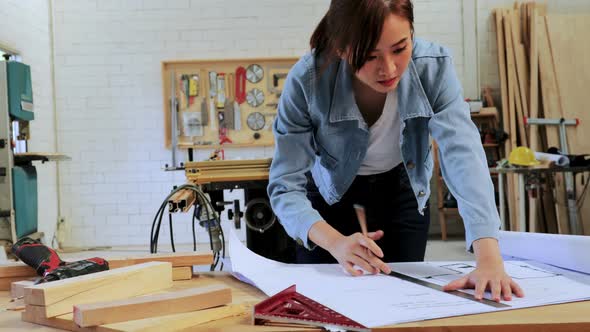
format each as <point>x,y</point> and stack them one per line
<point>562,318</point>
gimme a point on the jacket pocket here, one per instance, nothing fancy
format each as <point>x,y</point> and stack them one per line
<point>326,159</point>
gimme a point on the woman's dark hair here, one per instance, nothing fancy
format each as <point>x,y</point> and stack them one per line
<point>356,25</point>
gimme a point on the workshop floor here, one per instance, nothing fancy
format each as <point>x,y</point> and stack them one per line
<point>449,250</point>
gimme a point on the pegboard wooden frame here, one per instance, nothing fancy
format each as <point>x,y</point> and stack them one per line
<point>210,138</point>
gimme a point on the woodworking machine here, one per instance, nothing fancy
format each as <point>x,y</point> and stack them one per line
<point>264,234</point>
<point>18,176</point>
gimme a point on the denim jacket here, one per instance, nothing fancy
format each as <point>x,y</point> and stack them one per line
<point>319,128</point>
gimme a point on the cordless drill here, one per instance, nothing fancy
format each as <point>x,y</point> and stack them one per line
<point>49,266</point>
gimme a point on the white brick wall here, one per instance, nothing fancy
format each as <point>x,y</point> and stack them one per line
<point>108,90</point>
<point>114,78</point>
<point>24,27</point>
<point>488,49</point>
<point>109,102</point>
<point>108,87</point>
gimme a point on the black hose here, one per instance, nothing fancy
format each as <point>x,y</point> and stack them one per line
<point>171,232</point>
<point>206,203</point>
<point>193,222</point>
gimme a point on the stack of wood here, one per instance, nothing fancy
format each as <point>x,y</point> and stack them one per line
<point>132,298</point>
<point>12,274</point>
<point>544,72</point>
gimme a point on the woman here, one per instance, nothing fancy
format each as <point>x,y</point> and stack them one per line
<point>356,113</point>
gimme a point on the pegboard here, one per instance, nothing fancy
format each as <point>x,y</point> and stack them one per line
<point>207,94</point>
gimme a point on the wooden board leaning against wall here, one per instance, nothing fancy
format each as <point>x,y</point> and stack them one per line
<point>223,103</point>
<point>544,74</point>
<point>571,61</point>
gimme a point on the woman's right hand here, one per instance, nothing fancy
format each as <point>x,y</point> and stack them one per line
<point>359,250</point>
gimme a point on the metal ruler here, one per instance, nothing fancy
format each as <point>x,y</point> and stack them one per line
<point>456,292</point>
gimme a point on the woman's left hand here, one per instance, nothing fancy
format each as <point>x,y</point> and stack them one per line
<point>488,275</point>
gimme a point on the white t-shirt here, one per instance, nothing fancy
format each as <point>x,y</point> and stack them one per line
<point>384,151</point>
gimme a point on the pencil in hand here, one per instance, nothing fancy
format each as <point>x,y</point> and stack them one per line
<point>362,217</point>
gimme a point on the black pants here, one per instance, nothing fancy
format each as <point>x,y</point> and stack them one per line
<point>390,206</point>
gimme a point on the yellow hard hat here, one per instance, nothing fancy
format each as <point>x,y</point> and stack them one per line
<point>522,156</point>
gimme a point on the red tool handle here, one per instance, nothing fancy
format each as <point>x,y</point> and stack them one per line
<point>42,258</point>
<point>48,264</point>
<point>241,85</point>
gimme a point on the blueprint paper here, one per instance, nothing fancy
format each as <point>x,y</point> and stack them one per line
<point>577,276</point>
<point>541,286</point>
<point>378,300</point>
<point>565,251</point>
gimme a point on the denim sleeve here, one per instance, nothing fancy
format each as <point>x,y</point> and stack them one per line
<point>294,156</point>
<point>462,157</point>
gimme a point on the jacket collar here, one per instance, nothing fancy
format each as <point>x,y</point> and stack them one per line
<point>344,106</point>
<point>412,101</point>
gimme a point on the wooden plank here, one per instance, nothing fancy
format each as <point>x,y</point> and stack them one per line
<point>549,90</point>
<point>58,322</point>
<point>515,17</point>
<point>552,110</point>
<point>522,135</point>
<point>533,105</point>
<point>182,321</point>
<point>502,72</point>
<point>186,300</point>
<point>521,70</point>
<point>520,101</point>
<point>176,322</point>
<point>524,24</point>
<point>182,273</point>
<point>548,202</point>
<point>514,68</point>
<point>513,195</point>
<point>177,259</point>
<point>17,269</point>
<point>571,58</point>
<point>17,289</point>
<point>5,283</point>
<point>506,105</point>
<point>58,297</point>
<point>510,79</point>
